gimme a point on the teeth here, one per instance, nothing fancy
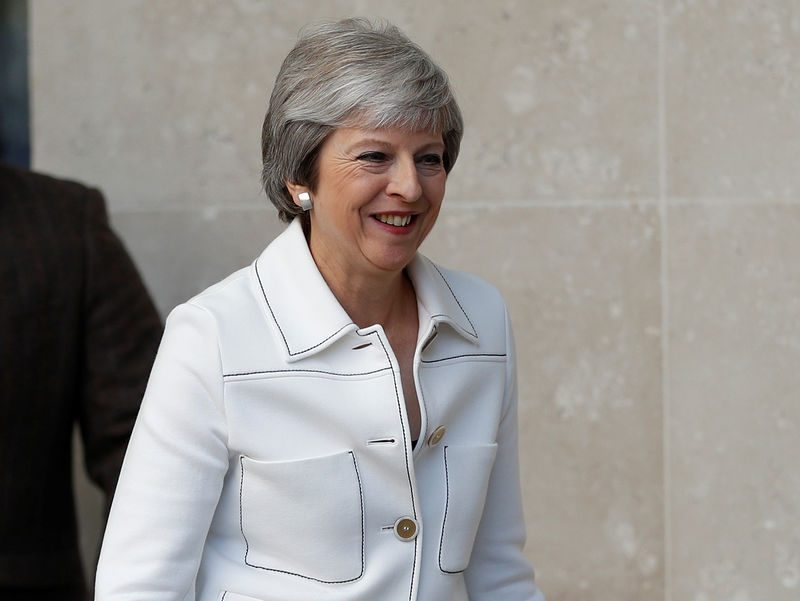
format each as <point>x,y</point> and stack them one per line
<point>396,220</point>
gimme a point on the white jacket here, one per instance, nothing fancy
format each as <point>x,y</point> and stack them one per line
<point>272,461</point>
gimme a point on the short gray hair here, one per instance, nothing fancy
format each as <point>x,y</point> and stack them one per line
<point>344,74</point>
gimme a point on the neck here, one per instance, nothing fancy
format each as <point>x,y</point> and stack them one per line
<point>370,295</point>
<point>377,297</point>
<point>387,300</point>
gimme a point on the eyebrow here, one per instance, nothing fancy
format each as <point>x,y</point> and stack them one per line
<point>384,144</point>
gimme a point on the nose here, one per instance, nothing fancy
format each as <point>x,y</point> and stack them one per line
<point>404,180</point>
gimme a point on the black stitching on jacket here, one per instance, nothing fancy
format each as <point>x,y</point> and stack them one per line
<point>463,356</point>
<point>275,319</point>
<point>474,332</point>
<point>310,371</point>
<point>444,519</point>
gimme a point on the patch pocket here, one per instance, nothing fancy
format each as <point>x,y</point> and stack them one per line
<point>304,517</point>
<point>467,470</point>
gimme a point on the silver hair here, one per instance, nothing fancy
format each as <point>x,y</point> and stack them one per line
<point>345,74</point>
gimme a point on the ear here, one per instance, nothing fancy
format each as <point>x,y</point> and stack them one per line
<point>295,190</point>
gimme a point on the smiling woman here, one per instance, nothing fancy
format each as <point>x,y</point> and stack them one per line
<point>377,196</point>
<point>338,420</point>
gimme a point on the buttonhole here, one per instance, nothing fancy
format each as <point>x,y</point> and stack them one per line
<point>360,346</point>
<point>381,441</point>
<point>391,527</point>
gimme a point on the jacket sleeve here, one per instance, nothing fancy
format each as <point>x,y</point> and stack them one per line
<point>497,568</point>
<point>173,471</point>
<point>121,330</point>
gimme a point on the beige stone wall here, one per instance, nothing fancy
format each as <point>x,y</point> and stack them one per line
<point>629,179</point>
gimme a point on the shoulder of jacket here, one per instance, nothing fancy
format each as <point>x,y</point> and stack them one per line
<point>225,298</point>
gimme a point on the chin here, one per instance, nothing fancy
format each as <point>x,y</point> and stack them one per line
<point>393,262</point>
<point>390,256</point>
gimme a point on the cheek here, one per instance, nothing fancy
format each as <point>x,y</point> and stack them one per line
<point>435,188</point>
<point>439,198</point>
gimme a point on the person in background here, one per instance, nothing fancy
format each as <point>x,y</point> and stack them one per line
<point>78,334</point>
<point>337,421</point>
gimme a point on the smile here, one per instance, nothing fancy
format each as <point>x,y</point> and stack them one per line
<point>395,220</point>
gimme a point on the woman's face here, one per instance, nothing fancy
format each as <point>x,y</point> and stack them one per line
<point>378,195</point>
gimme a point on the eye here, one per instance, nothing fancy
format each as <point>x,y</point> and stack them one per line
<point>372,156</point>
<point>430,160</point>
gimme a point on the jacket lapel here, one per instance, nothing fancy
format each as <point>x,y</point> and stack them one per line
<point>438,297</point>
<point>306,313</point>
<point>296,298</point>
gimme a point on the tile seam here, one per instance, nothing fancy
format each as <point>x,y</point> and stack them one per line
<point>666,408</point>
<point>466,205</point>
<point>661,200</point>
<point>736,201</point>
<point>554,204</point>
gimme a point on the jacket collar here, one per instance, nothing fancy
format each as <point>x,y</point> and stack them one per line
<point>306,313</point>
<point>437,297</point>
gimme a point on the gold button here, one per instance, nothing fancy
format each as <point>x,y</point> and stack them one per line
<point>405,529</point>
<point>436,436</point>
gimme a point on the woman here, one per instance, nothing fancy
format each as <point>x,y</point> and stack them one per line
<point>338,420</point>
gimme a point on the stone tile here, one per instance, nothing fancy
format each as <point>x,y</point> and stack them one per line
<point>180,253</point>
<point>159,103</point>
<point>582,286</point>
<point>733,98</point>
<point>735,428</point>
<point>560,101</point>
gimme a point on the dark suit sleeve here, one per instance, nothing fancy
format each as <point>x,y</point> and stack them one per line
<point>121,331</point>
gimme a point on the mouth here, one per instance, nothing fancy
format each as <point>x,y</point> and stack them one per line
<point>395,220</point>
